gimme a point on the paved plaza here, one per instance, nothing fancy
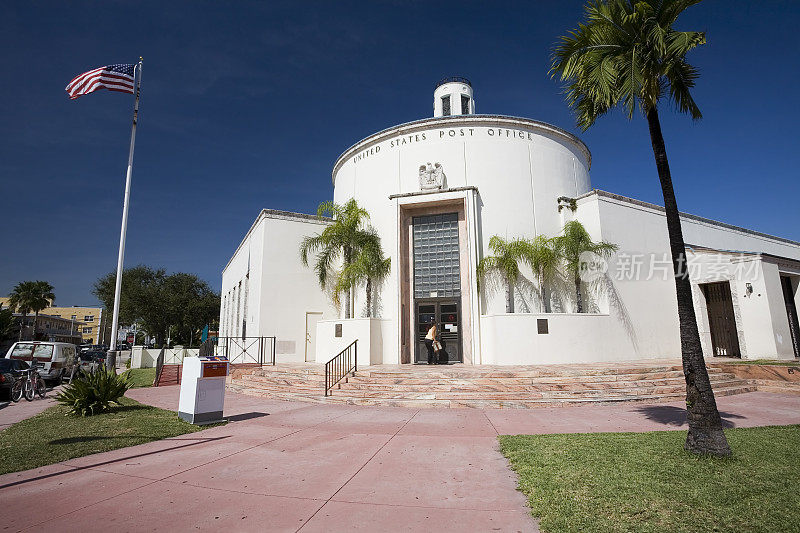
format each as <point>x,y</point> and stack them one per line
<point>286,466</point>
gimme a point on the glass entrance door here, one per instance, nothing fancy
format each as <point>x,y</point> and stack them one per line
<point>447,315</point>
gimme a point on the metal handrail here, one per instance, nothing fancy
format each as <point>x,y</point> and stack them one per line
<point>159,367</point>
<point>341,365</point>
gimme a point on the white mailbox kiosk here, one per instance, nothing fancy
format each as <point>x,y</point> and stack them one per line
<point>203,389</point>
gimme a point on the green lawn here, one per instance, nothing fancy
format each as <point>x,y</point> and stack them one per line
<point>646,482</point>
<point>142,377</point>
<point>52,436</point>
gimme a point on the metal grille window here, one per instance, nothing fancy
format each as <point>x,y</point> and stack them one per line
<point>446,106</point>
<point>464,105</point>
<point>437,271</point>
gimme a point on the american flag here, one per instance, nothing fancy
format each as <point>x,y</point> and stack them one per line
<point>111,77</point>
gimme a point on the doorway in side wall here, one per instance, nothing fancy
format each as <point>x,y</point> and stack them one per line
<point>724,337</point>
<point>791,312</point>
<point>312,318</point>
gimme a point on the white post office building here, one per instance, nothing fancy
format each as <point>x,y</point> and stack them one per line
<point>438,189</point>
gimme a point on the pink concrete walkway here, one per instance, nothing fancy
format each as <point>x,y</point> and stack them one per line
<point>11,413</point>
<point>281,466</point>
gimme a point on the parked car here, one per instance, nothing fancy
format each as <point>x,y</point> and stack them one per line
<point>56,358</point>
<point>10,370</point>
<point>94,348</point>
<point>92,360</point>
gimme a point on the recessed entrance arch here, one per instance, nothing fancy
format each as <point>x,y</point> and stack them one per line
<point>434,271</point>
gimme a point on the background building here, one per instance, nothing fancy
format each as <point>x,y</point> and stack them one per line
<point>90,323</point>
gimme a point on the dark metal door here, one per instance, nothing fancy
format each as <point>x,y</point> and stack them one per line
<point>791,313</point>
<point>724,338</point>
<point>448,319</point>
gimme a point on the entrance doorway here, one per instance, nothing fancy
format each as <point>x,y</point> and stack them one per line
<point>724,337</point>
<point>437,282</point>
<point>447,315</point>
<point>311,335</point>
<point>791,313</point>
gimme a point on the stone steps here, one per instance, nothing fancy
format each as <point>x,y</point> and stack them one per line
<point>484,403</point>
<point>479,386</point>
<point>362,388</point>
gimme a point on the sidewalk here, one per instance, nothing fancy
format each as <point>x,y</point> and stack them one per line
<point>282,466</point>
<point>11,413</point>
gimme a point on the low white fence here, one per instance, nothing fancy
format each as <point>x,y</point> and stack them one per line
<point>146,357</point>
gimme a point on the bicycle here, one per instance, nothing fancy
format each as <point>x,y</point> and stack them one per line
<point>29,384</point>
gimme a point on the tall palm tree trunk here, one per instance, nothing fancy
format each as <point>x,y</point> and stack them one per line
<point>578,295</point>
<point>22,325</point>
<point>369,297</point>
<point>347,292</point>
<point>509,297</point>
<point>705,425</point>
<point>35,324</point>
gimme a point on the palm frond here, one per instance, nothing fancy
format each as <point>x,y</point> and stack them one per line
<point>626,54</point>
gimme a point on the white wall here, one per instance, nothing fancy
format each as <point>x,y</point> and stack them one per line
<point>282,290</point>
<point>512,339</point>
<point>368,331</point>
<point>648,303</point>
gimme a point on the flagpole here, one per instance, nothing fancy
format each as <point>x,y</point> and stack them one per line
<point>124,229</point>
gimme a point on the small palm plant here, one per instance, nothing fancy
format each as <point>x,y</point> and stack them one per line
<point>574,242</point>
<point>94,392</point>
<point>503,266</point>
<point>368,267</point>
<point>31,296</point>
<point>544,259</point>
<point>339,240</point>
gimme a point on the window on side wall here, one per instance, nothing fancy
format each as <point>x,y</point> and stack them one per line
<point>446,105</point>
<point>88,318</point>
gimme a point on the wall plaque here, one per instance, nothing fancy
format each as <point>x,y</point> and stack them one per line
<point>338,330</point>
<point>541,326</point>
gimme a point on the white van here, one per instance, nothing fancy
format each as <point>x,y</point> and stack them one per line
<point>57,357</point>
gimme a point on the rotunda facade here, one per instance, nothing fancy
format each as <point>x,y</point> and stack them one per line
<point>437,189</point>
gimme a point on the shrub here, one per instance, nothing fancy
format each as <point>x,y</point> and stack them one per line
<point>94,392</point>
<point>128,364</point>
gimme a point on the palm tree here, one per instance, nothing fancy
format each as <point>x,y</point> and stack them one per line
<point>339,240</point>
<point>573,245</point>
<point>369,267</point>
<point>544,260</point>
<point>627,53</point>
<point>30,296</point>
<point>503,266</point>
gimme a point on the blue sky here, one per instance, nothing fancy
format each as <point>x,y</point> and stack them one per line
<point>248,105</point>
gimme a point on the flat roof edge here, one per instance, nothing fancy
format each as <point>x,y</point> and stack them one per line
<point>276,214</point>
<point>687,216</point>
<point>456,119</point>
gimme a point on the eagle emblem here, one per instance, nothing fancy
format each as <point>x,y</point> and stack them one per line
<point>431,177</point>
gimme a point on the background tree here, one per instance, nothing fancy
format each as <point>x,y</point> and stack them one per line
<point>7,324</point>
<point>338,241</point>
<point>157,301</point>
<point>140,299</point>
<point>369,267</point>
<point>544,260</point>
<point>628,53</point>
<point>573,242</point>
<point>503,266</point>
<point>31,296</point>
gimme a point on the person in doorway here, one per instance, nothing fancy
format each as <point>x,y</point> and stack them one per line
<point>430,338</point>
